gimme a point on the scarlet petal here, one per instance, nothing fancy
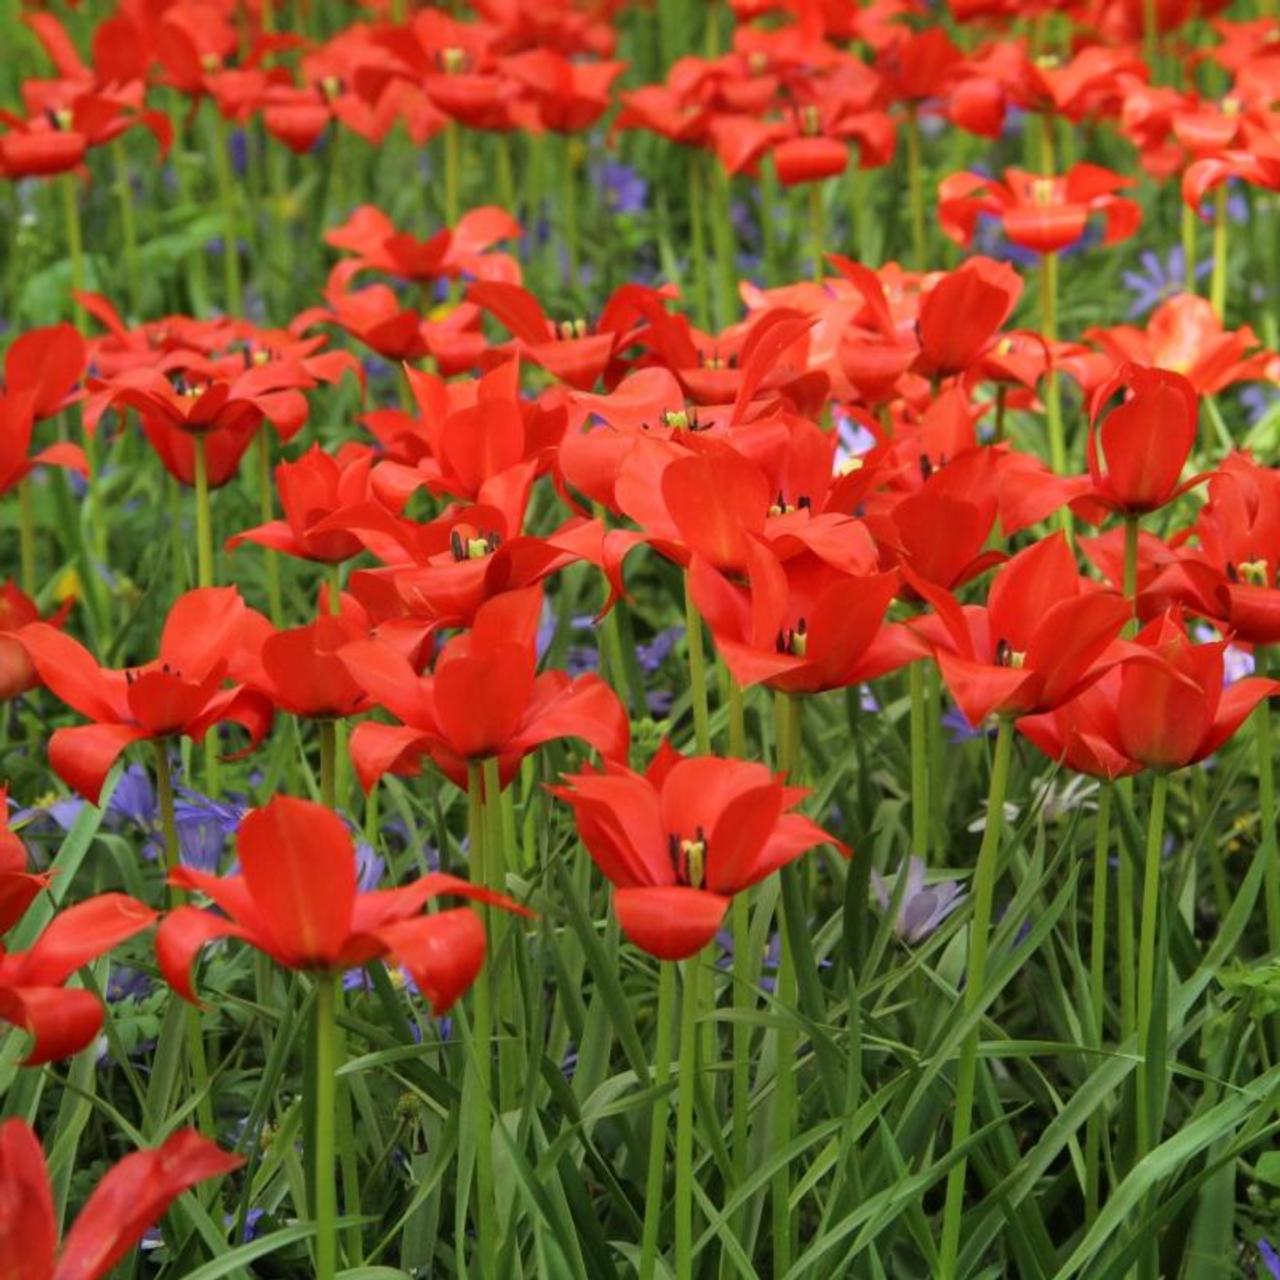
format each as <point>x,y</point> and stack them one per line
<point>300,868</point>
<point>377,749</point>
<point>82,756</point>
<point>182,935</point>
<point>481,699</point>
<point>132,1196</point>
<point>444,952</point>
<point>28,1233</point>
<point>60,1022</point>
<point>671,922</point>
<point>82,933</point>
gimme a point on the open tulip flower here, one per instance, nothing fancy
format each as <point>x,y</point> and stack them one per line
<point>18,611</point>
<point>484,699</point>
<point>1164,708</point>
<point>33,995</point>
<point>1042,637</point>
<point>679,840</point>
<point>132,1195</point>
<point>1045,214</point>
<point>296,901</point>
<point>182,692</point>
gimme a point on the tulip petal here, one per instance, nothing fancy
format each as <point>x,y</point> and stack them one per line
<point>671,922</point>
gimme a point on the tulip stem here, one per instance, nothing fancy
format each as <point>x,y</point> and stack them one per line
<point>128,226</point>
<point>698,239</point>
<point>786,722</point>
<point>1189,221</point>
<point>1267,816</point>
<point>1130,582</point>
<point>323,1146</point>
<point>569,194</point>
<point>482,1035</point>
<point>684,1119</point>
<point>75,244</point>
<point>1053,389</point>
<point>658,1120</point>
<point>204,520</point>
<point>697,672</point>
<point>919,763</point>
<point>817,230</point>
<point>266,508</point>
<point>737,716</point>
<point>984,885</point>
<point>452,172</point>
<point>227,207</point>
<point>915,189</point>
<point>27,536</point>
<point>1097,991</point>
<point>328,762</point>
<point>1218,280</point>
<point>725,243</point>
<point>495,861</point>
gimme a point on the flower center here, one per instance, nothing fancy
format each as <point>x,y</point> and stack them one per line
<point>453,61</point>
<point>793,640</point>
<point>567,330</point>
<point>810,121</point>
<point>1042,191</point>
<point>1253,573</point>
<point>689,858</point>
<point>1008,656</point>
<point>473,548</point>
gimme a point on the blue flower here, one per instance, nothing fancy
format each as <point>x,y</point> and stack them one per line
<point>1157,280</point>
<point>625,190</point>
<point>654,653</point>
<point>1270,1259</point>
<point>923,907</point>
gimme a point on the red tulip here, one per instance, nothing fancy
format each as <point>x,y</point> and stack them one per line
<point>483,700</point>
<point>129,1198</point>
<point>16,423</point>
<point>180,692</point>
<point>678,841</point>
<point>1137,450</point>
<point>18,610</point>
<point>18,886</point>
<point>1044,635</point>
<point>315,488</point>
<point>1164,709</point>
<point>296,901</point>
<point>59,1021</point>
<point>800,626</point>
<point>1044,214</point>
<point>961,314</point>
<point>45,365</point>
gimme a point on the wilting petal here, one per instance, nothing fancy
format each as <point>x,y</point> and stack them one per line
<point>132,1196</point>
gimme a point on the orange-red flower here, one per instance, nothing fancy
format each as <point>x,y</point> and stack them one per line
<point>132,1195</point>
<point>296,900</point>
<point>678,841</point>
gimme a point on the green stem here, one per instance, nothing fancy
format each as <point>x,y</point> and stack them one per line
<point>452,173</point>
<point>1189,221</point>
<point>75,244</point>
<point>1130,583</point>
<point>482,1035</point>
<point>1148,1084</point>
<point>697,672</point>
<point>1047,160</point>
<point>27,536</point>
<point>737,716</point>
<point>915,190</point>
<point>328,763</point>
<point>658,1121</point>
<point>726,244</point>
<point>698,240</point>
<point>569,200</point>
<point>1267,815</point>
<point>227,207</point>
<point>1098,992</point>
<point>204,517</point>
<point>266,511</point>
<point>688,1069</point>
<point>1218,279</point>
<point>786,731</point>
<point>168,822</point>
<point>323,1145</point>
<point>128,226</point>
<point>510,1071</point>
<point>1053,388</point>
<point>817,229</point>
<point>984,885</point>
<point>919,763</point>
